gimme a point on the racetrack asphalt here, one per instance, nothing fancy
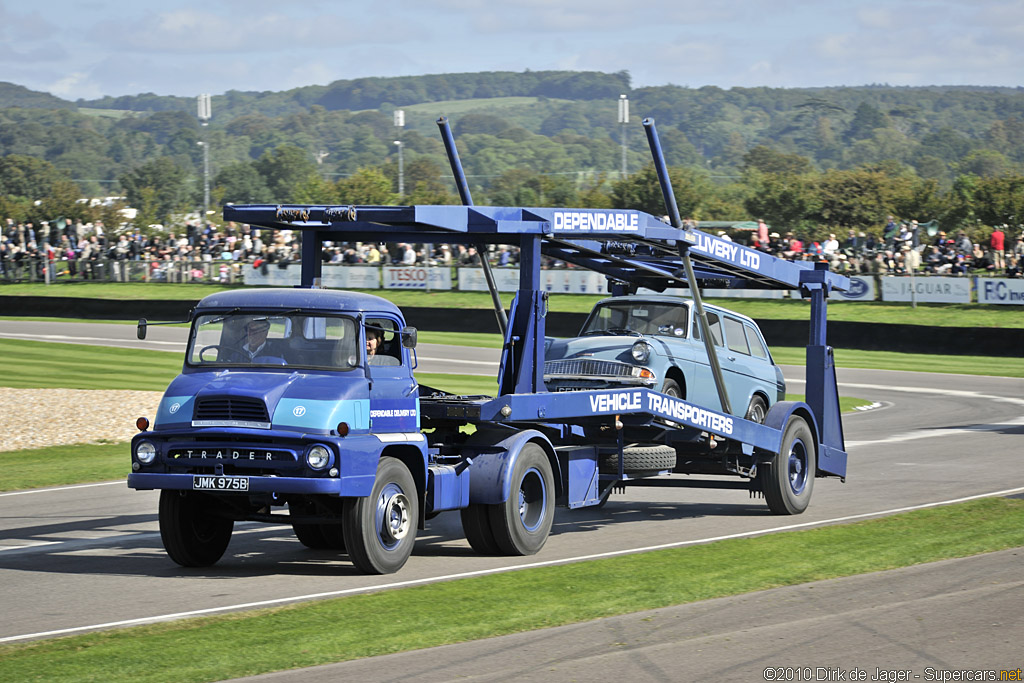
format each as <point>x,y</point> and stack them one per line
<point>68,558</point>
<point>954,615</point>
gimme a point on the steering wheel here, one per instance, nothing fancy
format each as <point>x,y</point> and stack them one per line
<point>230,355</point>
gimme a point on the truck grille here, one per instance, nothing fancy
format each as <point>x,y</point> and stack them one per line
<point>588,367</point>
<point>230,408</point>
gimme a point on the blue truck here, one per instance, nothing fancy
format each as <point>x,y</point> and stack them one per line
<point>301,406</point>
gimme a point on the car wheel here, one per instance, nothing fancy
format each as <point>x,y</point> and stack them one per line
<point>757,409</point>
<point>671,388</point>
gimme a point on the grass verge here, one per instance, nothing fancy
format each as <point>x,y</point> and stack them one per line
<point>913,362</point>
<point>411,618</point>
<point>33,468</point>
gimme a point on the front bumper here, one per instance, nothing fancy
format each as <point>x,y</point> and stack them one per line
<point>347,486</point>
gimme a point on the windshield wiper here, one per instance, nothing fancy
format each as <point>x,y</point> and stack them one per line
<point>614,331</point>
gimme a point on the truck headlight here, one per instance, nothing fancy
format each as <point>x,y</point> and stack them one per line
<point>145,452</point>
<point>641,351</point>
<point>318,457</point>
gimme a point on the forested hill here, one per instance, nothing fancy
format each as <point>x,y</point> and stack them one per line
<point>545,136</point>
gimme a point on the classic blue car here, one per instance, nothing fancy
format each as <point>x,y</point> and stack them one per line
<point>655,342</point>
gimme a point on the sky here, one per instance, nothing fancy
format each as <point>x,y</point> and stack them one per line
<point>92,48</point>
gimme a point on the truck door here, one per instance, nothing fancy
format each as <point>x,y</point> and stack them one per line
<point>394,401</point>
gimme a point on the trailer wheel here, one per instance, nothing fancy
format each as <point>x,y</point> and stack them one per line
<point>637,459</point>
<point>789,479</point>
<point>192,532</point>
<point>380,530</point>
<point>522,523</point>
<point>476,524</point>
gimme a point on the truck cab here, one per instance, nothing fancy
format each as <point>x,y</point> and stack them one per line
<point>287,397</point>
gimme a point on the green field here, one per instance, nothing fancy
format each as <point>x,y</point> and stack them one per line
<point>341,629</point>
<point>938,315</point>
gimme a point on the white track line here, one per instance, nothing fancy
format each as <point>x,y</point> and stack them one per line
<point>63,488</point>
<point>496,570</point>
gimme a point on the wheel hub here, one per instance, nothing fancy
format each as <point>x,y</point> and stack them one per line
<point>393,520</point>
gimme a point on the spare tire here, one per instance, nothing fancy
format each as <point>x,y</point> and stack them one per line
<point>637,459</point>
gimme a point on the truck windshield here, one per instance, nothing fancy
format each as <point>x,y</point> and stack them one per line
<point>637,317</point>
<point>274,339</point>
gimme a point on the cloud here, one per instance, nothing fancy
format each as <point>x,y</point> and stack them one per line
<point>193,31</point>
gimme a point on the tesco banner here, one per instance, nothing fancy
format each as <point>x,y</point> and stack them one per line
<point>999,291</point>
<point>861,289</point>
<point>944,290</point>
<point>416,277</point>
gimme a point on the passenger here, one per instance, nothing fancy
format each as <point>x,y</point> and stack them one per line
<point>374,339</point>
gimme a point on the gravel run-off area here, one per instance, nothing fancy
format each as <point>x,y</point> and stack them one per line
<point>35,418</point>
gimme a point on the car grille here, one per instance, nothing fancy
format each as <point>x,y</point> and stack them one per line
<point>231,408</point>
<point>588,367</point>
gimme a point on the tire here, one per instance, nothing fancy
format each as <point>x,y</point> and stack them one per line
<point>522,523</point>
<point>637,459</point>
<point>380,529</point>
<point>789,479</point>
<point>757,409</point>
<point>476,524</point>
<point>671,388</point>
<point>320,536</point>
<point>192,533</point>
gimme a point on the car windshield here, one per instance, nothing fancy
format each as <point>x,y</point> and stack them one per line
<point>273,340</point>
<point>638,317</point>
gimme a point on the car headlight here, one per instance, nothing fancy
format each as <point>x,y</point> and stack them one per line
<point>318,457</point>
<point>145,452</point>
<point>641,351</point>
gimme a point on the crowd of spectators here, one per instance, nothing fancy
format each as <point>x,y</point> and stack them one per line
<point>74,248</point>
<point>905,247</point>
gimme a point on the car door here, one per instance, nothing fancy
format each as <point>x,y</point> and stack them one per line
<point>746,369</point>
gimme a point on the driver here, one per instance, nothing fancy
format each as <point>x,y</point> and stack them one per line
<point>255,337</point>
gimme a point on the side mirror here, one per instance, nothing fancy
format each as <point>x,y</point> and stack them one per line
<point>141,332</point>
<point>409,337</point>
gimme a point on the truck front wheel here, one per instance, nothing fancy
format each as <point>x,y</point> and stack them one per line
<point>789,479</point>
<point>192,532</point>
<point>522,523</point>
<point>380,530</point>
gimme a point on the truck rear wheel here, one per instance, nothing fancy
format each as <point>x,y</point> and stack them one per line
<point>476,524</point>
<point>789,479</point>
<point>192,532</point>
<point>380,530</point>
<point>522,523</point>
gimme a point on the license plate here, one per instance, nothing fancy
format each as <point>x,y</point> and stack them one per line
<point>208,482</point>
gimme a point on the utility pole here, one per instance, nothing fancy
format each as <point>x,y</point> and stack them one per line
<point>204,119</point>
<point>624,120</point>
<point>400,124</point>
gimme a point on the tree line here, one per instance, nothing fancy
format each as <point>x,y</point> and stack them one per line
<point>804,159</point>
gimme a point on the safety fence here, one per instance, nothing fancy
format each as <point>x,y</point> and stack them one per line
<point>906,288</point>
